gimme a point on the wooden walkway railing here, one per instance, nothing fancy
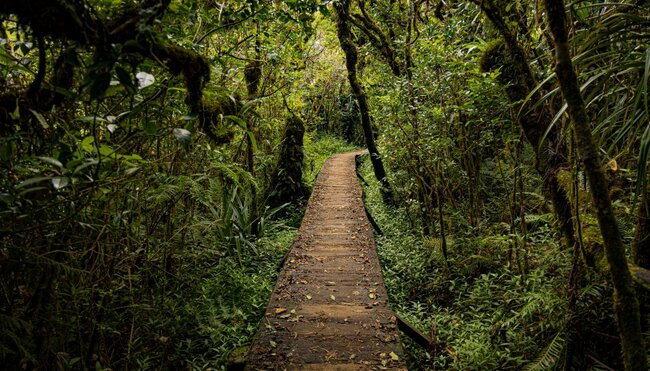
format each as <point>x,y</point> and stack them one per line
<point>329,309</point>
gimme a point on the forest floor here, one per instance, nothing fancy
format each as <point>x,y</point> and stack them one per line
<point>329,309</point>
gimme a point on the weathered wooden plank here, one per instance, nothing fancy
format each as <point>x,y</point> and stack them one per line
<point>329,309</point>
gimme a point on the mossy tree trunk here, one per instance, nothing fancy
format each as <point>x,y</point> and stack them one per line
<point>378,38</point>
<point>252,74</point>
<point>286,182</point>
<point>520,83</point>
<point>641,243</point>
<point>626,305</point>
<point>351,57</point>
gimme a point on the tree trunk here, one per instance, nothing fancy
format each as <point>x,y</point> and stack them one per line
<point>380,40</point>
<point>351,57</point>
<point>520,81</point>
<point>641,244</point>
<point>252,75</point>
<point>626,305</point>
<point>286,182</point>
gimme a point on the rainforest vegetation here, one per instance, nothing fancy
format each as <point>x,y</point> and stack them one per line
<point>156,157</point>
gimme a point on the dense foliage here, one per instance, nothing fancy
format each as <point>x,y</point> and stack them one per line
<point>149,152</point>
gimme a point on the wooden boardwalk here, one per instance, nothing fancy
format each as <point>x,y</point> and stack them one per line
<point>329,309</point>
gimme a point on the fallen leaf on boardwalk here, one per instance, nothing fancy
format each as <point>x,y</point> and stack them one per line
<point>273,344</point>
<point>332,297</point>
<point>353,356</point>
<point>285,316</point>
<point>372,296</point>
<point>394,356</point>
<point>308,297</point>
<point>280,310</point>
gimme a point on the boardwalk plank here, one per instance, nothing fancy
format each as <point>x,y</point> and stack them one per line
<point>329,309</point>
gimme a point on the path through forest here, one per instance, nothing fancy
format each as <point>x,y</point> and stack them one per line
<point>329,309</point>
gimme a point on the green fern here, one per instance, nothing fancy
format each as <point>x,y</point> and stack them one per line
<point>551,355</point>
<point>164,193</point>
<point>237,175</point>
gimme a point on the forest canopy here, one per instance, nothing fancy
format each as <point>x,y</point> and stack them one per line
<point>156,157</point>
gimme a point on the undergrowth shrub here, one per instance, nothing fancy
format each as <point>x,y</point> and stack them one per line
<point>484,312</point>
<point>145,263</point>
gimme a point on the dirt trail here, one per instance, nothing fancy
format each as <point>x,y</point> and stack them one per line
<point>329,309</point>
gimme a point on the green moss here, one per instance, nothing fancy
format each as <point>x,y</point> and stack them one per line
<point>286,183</point>
<point>253,75</point>
<point>211,114</point>
<point>495,57</point>
<point>194,67</point>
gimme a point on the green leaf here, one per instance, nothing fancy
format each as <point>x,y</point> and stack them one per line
<point>51,161</point>
<point>88,163</point>
<point>33,180</point>
<point>41,120</point>
<point>107,151</point>
<point>125,78</point>
<point>87,144</point>
<point>131,170</point>
<point>33,189</point>
<point>237,120</point>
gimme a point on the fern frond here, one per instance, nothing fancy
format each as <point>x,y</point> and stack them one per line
<point>551,355</point>
<point>163,193</point>
<point>226,171</point>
